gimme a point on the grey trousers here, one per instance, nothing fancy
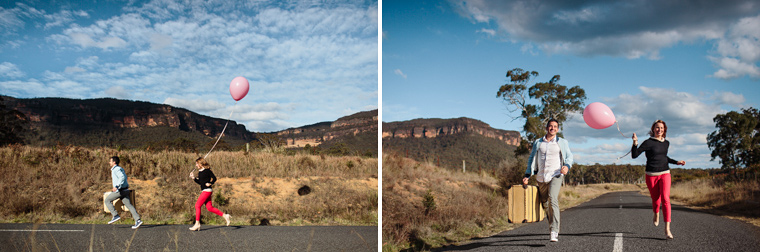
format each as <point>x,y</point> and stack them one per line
<point>124,196</point>
<point>548,195</point>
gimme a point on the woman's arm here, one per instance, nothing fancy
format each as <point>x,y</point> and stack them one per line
<point>635,152</point>
<point>212,179</point>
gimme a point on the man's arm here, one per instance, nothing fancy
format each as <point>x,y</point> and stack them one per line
<point>119,178</point>
<point>568,163</point>
<point>529,171</point>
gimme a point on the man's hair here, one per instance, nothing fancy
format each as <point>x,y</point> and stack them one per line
<point>115,159</point>
<point>550,121</point>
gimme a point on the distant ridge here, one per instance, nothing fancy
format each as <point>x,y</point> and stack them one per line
<point>435,127</point>
<point>137,124</point>
<point>357,131</point>
<point>449,142</point>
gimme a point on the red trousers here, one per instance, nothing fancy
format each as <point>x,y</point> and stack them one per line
<point>205,198</point>
<point>659,190</point>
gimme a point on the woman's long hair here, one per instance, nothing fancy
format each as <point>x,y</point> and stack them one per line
<point>203,163</point>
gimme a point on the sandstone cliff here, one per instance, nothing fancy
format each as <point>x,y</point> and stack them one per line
<point>316,134</point>
<point>431,128</point>
<point>112,113</point>
<point>136,124</point>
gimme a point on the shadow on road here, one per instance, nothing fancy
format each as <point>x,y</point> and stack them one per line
<point>218,227</point>
<point>674,207</point>
<point>520,240</point>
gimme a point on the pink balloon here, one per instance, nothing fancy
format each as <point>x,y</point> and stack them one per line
<point>238,88</point>
<point>598,116</point>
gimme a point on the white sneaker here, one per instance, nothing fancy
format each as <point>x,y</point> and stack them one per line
<point>137,224</point>
<point>554,236</point>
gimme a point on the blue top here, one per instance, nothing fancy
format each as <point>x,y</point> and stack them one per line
<point>119,178</point>
<point>564,150</point>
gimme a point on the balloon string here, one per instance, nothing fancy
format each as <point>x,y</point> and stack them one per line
<point>220,135</point>
<point>618,127</point>
<point>621,133</point>
<point>626,154</point>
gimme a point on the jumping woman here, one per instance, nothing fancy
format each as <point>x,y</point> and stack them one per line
<point>206,179</point>
<point>657,170</point>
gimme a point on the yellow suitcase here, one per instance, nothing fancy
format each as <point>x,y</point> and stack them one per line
<point>524,205</point>
<point>118,204</point>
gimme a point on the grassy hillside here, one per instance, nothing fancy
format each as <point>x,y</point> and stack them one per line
<point>66,185</point>
<point>92,136</point>
<point>480,153</point>
<point>362,144</point>
<point>425,206</point>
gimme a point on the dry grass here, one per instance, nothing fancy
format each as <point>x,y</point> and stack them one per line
<point>734,199</point>
<point>425,206</point>
<point>66,184</point>
<point>458,206</point>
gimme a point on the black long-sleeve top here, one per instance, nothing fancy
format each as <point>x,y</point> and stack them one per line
<point>205,176</point>
<point>656,153</point>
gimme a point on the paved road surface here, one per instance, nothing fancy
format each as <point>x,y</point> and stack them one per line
<point>75,237</point>
<point>622,221</point>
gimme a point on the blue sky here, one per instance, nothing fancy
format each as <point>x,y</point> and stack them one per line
<point>646,60</point>
<point>306,61</point>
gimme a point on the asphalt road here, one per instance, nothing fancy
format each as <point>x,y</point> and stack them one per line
<point>84,237</point>
<point>622,221</point>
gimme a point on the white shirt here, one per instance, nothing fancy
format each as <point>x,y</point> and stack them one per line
<point>549,160</point>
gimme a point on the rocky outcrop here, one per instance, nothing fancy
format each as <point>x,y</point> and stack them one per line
<point>430,128</point>
<point>113,113</point>
<point>316,134</point>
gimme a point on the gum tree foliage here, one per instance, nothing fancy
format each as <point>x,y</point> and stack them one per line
<point>737,140</point>
<point>554,101</point>
<point>269,141</point>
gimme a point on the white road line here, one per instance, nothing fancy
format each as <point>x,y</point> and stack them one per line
<point>621,206</point>
<point>618,247</point>
<point>38,230</point>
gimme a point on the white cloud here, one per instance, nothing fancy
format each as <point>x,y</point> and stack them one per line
<point>373,16</point>
<point>685,113</point>
<point>84,40</point>
<point>729,98</point>
<point>627,29</point>
<point>10,21</point>
<point>61,18</point>
<point>688,116</point>
<point>399,73</point>
<point>731,68</point>
<point>488,31</point>
<point>741,40</point>
<point>689,139</point>
<point>577,16</point>
<point>10,70</point>
<point>160,41</point>
<point>269,126</point>
<point>18,88</point>
<point>118,92</point>
<point>74,70</point>
<point>306,62</point>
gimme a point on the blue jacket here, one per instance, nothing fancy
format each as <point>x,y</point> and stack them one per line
<point>119,178</point>
<point>564,151</point>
